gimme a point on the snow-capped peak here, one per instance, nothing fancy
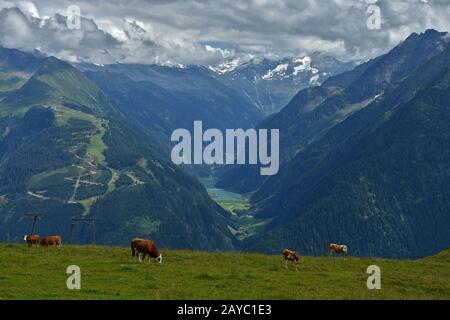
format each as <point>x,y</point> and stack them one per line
<point>280,70</point>
<point>171,64</point>
<point>227,66</point>
<point>303,64</point>
<point>292,68</point>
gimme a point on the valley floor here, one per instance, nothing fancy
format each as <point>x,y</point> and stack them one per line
<point>111,273</point>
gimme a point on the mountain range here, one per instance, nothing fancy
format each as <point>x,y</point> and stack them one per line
<point>271,84</point>
<point>66,151</point>
<point>91,141</point>
<point>364,159</point>
<point>364,150</point>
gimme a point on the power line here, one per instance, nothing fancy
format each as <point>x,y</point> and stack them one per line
<point>35,217</point>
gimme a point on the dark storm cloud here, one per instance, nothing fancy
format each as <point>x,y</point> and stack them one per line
<point>184,31</point>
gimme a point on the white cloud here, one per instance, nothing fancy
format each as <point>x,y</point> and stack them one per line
<point>208,32</point>
<point>28,8</point>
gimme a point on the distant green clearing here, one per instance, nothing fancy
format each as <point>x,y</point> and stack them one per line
<point>63,114</point>
<point>56,177</point>
<point>234,206</point>
<point>222,195</point>
<point>57,183</point>
<point>96,143</point>
<point>97,146</point>
<point>230,201</point>
<point>244,225</point>
<point>110,273</point>
<point>87,204</point>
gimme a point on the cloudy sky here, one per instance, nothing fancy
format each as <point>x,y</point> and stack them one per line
<point>210,32</point>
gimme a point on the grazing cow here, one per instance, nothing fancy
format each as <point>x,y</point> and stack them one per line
<point>31,239</point>
<point>51,241</point>
<point>337,248</point>
<point>290,256</point>
<point>142,247</point>
<point>134,243</point>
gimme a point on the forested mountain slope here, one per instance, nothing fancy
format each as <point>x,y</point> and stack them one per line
<point>66,151</point>
<point>378,181</point>
<point>313,111</point>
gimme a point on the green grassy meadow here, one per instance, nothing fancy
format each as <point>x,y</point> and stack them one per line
<point>110,273</point>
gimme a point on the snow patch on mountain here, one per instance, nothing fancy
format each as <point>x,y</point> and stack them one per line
<point>280,70</point>
<point>171,64</point>
<point>292,69</point>
<point>227,66</point>
<point>314,81</point>
<point>303,64</point>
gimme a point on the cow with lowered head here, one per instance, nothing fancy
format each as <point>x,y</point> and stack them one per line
<point>51,241</point>
<point>140,248</point>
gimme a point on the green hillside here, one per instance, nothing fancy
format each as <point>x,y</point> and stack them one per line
<point>378,181</point>
<point>66,151</point>
<point>368,166</point>
<point>110,273</point>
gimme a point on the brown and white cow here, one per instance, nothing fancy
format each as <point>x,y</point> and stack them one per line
<point>290,256</point>
<point>51,241</point>
<point>142,248</point>
<point>134,243</point>
<point>337,248</point>
<point>32,239</point>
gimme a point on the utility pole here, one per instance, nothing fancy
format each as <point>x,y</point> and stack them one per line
<point>72,226</point>
<point>93,230</point>
<point>76,221</point>
<point>35,217</point>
